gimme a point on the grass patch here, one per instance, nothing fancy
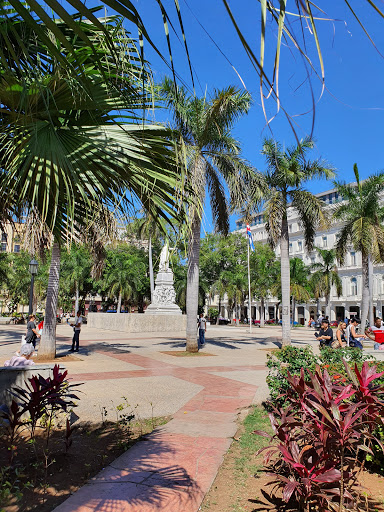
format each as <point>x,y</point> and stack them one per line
<point>250,443</point>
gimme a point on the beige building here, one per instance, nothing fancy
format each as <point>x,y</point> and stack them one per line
<point>348,304</point>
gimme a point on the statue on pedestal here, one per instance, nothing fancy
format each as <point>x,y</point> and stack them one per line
<point>164,295</point>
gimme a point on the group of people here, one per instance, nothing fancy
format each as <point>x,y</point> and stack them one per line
<point>347,334</point>
<point>24,356</point>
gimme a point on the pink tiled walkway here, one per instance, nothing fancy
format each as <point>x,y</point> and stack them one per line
<point>172,468</point>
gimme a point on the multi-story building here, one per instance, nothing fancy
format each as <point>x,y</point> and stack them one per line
<point>348,303</point>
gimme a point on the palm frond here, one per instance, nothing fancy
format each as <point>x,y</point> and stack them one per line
<point>311,213</point>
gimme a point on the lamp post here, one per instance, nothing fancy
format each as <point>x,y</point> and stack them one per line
<point>33,265</point>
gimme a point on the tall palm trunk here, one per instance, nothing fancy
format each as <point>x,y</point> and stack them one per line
<point>151,280</point>
<point>262,312</point>
<point>119,303</point>
<point>193,284</point>
<point>47,347</point>
<point>285,282</point>
<point>77,298</point>
<point>370,280</point>
<point>318,307</point>
<point>365,291</point>
<point>328,306</point>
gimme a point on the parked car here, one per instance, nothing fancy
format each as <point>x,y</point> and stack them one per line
<point>334,323</point>
<point>271,321</point>
<point>111,310</point>
<point>223,321</point>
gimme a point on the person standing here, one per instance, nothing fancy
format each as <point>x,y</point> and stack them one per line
<point>32,332</point>
<point>76,334</point>
<point>202,324</point>
<point>376,334</point>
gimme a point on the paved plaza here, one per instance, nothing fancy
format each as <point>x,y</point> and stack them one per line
<point>172,468</point>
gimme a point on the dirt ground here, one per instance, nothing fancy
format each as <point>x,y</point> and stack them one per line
<point>240,489</point>
<point>42,487</point>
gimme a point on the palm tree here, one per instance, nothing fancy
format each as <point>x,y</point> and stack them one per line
<point>263,275</point>
<point>123,274</point>
<point>212,160</point>
<point>274,12</point>
<point>299,284</point>
<point>362,215</point>
<point>65,151</point>
<point>76,267</point>
<point>282,186</point>
<point>324,276</point>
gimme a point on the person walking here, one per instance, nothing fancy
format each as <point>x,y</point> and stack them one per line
<point>340,341</point>
<point>202,324</point>
<point>32,331</point>
<point>76,334</point>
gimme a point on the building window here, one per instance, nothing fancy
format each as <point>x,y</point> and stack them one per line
<point>300,246</point>
<point>353,259</point>
<point>4,237</point>
<point>290,246</point>
<point>3,247</point>
<point>313,259</point>
<point>290,228</point>
<point>353,286</point>
<point>325,241</point>
<point>16,248</point>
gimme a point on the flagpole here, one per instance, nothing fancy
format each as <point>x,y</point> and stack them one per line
<point>249,294</point>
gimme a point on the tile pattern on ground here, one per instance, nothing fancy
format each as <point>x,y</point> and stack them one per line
<point>172,468</point>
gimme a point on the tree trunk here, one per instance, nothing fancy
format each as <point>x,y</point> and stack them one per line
<point>47,348</point>
<point>119,304</point>
<point>370,278</point>
<point>192,301</point>
<point>77,298</point>
<point>285,282</point>
<point>262,312</point>
<point>151,280</point>
<point>328,306</point>
<point>318,312</point>
<point>364,292</point>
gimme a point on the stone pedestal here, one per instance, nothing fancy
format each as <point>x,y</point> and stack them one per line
<point>164,296</point>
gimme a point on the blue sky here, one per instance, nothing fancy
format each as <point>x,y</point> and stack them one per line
<point>349,116</point>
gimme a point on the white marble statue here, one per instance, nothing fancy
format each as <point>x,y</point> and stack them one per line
<point>164,259</point>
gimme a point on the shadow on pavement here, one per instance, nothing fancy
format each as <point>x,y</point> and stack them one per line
<point>146,477</point>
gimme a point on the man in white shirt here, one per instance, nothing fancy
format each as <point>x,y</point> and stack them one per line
<point>202,323</point>
<point>76,334</point>
<point>376,334</point>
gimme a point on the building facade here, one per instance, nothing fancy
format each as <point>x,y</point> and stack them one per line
<point>348,304</point>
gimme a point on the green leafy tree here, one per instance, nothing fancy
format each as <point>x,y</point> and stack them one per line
<point>264,274</point>
<point>324,276</point>
<point>362,216</point>
<point>280,187</point>
<point>125,275</point>
<point>213,160</point>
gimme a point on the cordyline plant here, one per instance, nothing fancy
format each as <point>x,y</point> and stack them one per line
<point>317,438</point>
<point>42,397</point>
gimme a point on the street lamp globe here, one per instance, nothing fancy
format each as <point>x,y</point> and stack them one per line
<point>33,266</point>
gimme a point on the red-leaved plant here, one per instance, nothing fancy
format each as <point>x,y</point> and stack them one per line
<point>317,438</point>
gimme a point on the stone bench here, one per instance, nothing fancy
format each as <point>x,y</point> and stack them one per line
<point>12,376</point>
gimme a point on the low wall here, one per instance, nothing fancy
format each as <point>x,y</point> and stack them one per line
<point>137,322</point>
<point>12,376</point>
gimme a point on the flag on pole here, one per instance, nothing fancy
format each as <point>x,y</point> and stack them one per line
<point>252,247</point>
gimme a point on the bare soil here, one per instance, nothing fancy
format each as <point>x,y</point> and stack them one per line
<point>184,353</point>
<point>40,487</point>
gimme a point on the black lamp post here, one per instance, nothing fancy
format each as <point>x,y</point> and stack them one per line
<point>33,265</point>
